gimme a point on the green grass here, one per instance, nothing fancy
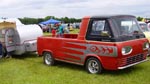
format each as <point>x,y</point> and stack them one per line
<point>47,33</point>
<point>29,69</point>
<point>75,31</point>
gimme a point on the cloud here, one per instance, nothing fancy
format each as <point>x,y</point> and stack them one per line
<point>72,8</point>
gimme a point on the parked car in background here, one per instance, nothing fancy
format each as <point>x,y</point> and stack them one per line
<point>148,24</point>
<point>145,29</point>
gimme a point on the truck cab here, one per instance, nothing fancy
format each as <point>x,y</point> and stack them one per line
<point>104,42</point>
<point>113,29</point>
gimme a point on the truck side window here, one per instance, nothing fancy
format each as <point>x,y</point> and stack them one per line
<point>99,30</point>
<point>97,27</point>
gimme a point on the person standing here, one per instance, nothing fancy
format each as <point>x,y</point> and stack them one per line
<point>60,30</point>
<point>53,32</point>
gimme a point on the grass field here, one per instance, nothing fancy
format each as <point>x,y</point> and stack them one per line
<point>29,69</point>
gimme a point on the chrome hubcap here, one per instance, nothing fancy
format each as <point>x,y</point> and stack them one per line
<point>93,66</point>
<point>48,59</point>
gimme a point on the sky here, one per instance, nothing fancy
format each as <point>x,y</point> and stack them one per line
<point>72,8</point>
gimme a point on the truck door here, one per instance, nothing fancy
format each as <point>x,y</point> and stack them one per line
<point>99,30</point>
<point>10,40</point>
<point>99,37</point>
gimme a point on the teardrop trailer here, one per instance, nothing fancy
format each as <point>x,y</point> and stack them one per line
<point>18,38</point>
<point>104,42</point>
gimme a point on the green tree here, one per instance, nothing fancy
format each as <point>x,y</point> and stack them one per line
<point>139,18</point>
<point>27,20</point>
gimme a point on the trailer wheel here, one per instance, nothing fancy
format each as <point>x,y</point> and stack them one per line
<point>3,52</point>
<point>93,66</point>
<point>48,59</point>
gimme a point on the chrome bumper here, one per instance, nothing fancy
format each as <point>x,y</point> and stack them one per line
<point>132,64</point>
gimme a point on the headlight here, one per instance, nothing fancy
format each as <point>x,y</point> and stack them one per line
<point>123,51</point>
<point>126,50</point>
<point>145,46</point>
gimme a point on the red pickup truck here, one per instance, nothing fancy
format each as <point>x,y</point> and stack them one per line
<point>104,42</point>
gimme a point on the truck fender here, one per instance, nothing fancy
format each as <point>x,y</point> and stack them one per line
<point>46,50</point>
<point>93,55</point>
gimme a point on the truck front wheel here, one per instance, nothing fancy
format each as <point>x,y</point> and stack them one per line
<point>93,66</point>
<point>48,59</point>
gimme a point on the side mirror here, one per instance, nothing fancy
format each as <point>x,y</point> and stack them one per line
<point>105,33</point>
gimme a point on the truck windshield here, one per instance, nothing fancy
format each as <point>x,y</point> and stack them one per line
<point>127,26</point>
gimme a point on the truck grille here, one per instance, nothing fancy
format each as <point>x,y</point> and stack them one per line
<point>131,60</point>
<point>134,59</point>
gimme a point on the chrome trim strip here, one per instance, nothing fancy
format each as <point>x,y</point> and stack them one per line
<point>132,64</point>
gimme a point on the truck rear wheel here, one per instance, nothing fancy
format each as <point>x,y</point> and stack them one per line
<point>93,66</point>
<point>48,59</point>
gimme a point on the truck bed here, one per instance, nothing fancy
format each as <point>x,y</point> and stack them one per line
<point>73,36</point>
<point>70,36</point>
<point>54,43</point>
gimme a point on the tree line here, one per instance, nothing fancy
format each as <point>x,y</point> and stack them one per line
<point>27,20</point>
<point>141,19</point>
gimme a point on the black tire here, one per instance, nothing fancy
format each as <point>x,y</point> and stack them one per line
<point>93,66</point>
<point>3,52</point>
<point>48,59</point>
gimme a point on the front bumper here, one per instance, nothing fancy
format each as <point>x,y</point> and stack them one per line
<point>123,67</point>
